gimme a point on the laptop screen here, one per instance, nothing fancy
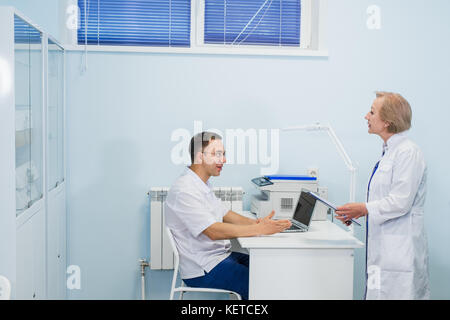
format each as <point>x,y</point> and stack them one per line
<point>305,207</point>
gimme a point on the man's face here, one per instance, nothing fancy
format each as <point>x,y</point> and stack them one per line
<point>214,157</point>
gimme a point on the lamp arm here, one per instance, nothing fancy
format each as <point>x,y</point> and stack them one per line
<point>347,160</point>
<point>341,151</point>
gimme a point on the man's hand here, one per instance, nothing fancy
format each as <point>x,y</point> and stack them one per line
<point>268,226</point>
<point>350,211</point>
<point>234,228</point>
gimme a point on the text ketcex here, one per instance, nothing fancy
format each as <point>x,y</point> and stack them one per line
<point>233,309</point>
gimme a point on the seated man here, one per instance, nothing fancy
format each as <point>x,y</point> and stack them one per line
<point>202,226</point>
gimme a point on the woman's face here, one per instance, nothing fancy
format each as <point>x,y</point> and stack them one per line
<point>376,125</point>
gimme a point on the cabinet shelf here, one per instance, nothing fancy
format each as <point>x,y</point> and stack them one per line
<point>22,106</point>
<point>23,138</point>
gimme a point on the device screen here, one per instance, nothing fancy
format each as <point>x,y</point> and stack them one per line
<point>305,207</point>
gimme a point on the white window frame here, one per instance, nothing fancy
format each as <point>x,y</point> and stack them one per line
<point>198,23</point>
<point>313,28</point>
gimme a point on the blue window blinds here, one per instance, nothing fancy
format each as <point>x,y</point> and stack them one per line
<point>135,22</point>
<point>24,33</point>
<point>253,22</point>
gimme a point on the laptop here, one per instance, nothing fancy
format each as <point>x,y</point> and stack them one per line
<point>303,213</point>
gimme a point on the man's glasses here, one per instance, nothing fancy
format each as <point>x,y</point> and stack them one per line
<point>217,154</point>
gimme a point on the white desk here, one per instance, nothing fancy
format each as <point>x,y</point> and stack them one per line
<point>317,264</point>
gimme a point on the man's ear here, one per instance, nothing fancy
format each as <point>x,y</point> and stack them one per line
<point>198,158</point>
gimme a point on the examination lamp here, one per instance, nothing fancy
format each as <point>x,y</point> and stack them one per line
<point>340,148</point>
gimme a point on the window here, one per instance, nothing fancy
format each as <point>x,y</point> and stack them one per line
<point>253,22</point>
<point>274,27</point>
<point>135,22</point>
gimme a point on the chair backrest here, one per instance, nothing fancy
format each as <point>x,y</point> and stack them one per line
<point>172,243</point>
<point>176,262</point>
<point>5,288</point>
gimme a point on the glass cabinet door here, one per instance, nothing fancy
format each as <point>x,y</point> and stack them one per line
<point>28,97</point>
<point>55,117</point>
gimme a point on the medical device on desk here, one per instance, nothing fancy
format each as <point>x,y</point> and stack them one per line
<point>281,193</point>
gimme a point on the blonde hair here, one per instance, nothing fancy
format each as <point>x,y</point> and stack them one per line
<point>395,110</point>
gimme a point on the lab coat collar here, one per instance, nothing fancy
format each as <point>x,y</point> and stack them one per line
<point>394,141</point>
<point>204,187</point>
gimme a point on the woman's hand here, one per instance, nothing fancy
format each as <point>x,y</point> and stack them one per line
<point>350,211</point>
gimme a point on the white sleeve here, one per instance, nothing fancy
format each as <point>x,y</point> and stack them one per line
<point>194,212</point>
<point>222,208</point>
<point>407,173</point>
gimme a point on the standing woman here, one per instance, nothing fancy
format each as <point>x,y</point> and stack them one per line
<point>396,244</point>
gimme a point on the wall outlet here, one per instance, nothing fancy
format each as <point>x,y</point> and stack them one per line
<point>313,172</point>
<point>323,192</point>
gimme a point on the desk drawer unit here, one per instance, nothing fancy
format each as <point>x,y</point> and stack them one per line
<point>301,274</point>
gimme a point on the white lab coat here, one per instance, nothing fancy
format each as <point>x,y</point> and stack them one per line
<point>397,252</point>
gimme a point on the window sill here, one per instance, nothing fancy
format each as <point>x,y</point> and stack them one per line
<point>253,51</point>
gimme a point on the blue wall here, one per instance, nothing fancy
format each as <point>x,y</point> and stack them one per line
<point>122,111</point>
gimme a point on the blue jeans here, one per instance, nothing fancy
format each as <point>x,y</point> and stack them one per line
<point>230,274</point>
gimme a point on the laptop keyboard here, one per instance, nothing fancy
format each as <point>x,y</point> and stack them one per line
<point>294,228</point>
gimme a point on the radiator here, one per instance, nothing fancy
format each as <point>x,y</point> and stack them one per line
<point>161,254</point>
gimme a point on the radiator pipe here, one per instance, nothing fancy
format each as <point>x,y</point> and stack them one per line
<point>143,263</point>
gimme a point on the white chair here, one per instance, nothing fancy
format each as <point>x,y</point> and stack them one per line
<point>5,288</point>
<point>183,288</point>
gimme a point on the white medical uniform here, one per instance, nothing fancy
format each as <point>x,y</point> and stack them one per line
<point>397,253</point>
<point>190,208</point>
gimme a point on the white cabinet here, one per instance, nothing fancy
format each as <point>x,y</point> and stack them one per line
<point>31,262</point>
<point>56,190</point>
<point>56,249</point>
<point>29,152</point>
<point>32,171</point>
